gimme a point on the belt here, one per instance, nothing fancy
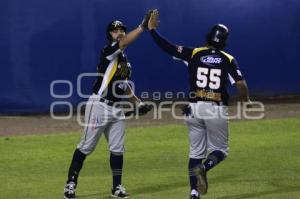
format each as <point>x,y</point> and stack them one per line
<point>209,95</point>
<point>108,102</point>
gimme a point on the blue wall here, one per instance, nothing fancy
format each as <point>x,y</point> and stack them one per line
<point>42,41</point>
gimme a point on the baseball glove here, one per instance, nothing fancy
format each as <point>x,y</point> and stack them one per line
<point>186,110</point>
<point>140,110</point>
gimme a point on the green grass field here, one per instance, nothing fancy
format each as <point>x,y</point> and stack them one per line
<point>264,162</point>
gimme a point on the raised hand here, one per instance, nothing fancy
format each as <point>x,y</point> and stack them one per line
<point>146,19</point>
<point>154,20</point>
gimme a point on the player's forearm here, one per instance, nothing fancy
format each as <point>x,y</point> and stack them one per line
<point>164,44</point>
<point>243,90</point>
<point>130,37</point>
<point>133,98</point>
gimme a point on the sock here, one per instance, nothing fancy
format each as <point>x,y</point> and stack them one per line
<point>213,159</point>
<point>76,165</point>
<point>193,180</point>
<point>116,165</point>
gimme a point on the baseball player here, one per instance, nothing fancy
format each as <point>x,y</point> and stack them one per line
<point>103,114</point>
<point>209,69</point>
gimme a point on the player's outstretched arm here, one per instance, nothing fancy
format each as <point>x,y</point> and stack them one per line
<point>140,108</point>
<point>180,52</point>
<point>130,37</point>
<point>134,34</point>
<point>132,97</point>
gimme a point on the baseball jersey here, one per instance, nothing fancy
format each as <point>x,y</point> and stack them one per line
<point>209,69</point>
<point>114,71</point>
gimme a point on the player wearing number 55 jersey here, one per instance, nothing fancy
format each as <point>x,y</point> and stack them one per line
<point>209,68</point>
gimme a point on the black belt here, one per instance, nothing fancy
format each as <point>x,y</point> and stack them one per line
<point>108,102</point>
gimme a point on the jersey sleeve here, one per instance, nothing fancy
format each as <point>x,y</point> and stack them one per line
<point>111,51</point>
<point>179,52</point>
<point>234,73</point>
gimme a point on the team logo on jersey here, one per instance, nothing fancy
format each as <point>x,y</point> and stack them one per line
<point>211,60</point>
<point>124,70</point>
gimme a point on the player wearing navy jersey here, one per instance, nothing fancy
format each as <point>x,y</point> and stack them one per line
<point>103,114</point>
<point>209,69</point>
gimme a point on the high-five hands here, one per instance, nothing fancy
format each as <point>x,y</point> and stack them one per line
<point>154,20</point>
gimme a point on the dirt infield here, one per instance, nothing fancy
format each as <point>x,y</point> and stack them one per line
<point>25,125</point>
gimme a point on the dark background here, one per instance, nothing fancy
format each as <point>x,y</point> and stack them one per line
<point>42,41</point>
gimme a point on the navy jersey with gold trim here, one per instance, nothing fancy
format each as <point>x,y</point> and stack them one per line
<point>209,69</point>
<point>114,71</point>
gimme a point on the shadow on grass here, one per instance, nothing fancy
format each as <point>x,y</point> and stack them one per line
<point>158,188</point>
<point>95,194</point>
<point>279,190</point>
<point>141,190</point>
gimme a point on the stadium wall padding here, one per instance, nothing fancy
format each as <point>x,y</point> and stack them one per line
<point>43,41</point>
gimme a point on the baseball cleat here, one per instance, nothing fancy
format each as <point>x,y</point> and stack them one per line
<point>194,197</point>
<point>69,191</point>
<point>194,194</point>
<point>200,174</point>
<point>119,192</point>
